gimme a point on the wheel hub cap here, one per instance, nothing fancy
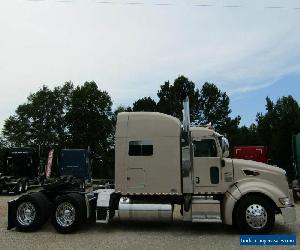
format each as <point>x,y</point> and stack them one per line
<point>256,216</point>
<point>65,214</point>
<point>26,213</point>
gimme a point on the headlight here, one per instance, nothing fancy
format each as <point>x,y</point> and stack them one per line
<point>285,201</point>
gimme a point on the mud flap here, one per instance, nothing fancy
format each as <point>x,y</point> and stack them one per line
<point>12,211</point>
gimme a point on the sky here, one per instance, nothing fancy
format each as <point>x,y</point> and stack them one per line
<point>250,49</point>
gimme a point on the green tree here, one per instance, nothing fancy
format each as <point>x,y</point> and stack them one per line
<point>276,128</point>
<point>16,128</point>
<point>118,110</point>
<point>90,125</point>
<point>89,116</point>
<point>2,143</point>
<point>246,136</point>
<point>230,128</point>
<point>144,104</point>
<point>2,154</point>
<point>172,96</point>
<point>41,120</point>
<point>214,108</point>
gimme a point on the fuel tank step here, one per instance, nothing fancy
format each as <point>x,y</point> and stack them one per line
<point>206,209</point>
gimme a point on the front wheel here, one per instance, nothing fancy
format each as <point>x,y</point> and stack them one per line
<point>254,215</point>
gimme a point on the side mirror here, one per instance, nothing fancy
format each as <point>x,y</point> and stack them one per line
<point>225,147</point>
<point>225,153</point>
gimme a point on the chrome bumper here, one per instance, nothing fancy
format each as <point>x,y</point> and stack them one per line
<point>288,214</point>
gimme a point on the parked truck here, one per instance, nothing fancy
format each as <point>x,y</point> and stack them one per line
<point>75,162</point>
<point>21,170</point>
<point>161,163</point>
<point>72,164</point>
<point>254,153</point>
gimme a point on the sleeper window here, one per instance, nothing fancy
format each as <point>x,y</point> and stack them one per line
<point>140,148</point>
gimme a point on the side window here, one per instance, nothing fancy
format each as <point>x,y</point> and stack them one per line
<point>140,148</point>
<point>205,148</point>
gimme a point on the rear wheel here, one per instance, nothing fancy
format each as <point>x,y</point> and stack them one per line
<point>32,212</point>
<point>254,215</point>
<point>69,212</point>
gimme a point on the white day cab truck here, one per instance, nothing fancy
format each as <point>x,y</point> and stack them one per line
<point>160,163</point>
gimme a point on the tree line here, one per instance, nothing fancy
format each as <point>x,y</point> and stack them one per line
<point>82,116</point>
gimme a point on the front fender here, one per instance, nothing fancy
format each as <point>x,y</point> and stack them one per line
<point>253,185</point>
<point>237,191</point>
<point>232,195</point>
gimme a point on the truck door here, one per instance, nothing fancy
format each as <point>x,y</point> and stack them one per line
<point>206,164</point>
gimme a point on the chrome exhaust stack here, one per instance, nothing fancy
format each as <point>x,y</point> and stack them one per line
<point>186,160</point>
<point>186,115</point>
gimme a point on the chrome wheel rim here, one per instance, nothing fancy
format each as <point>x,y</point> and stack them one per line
<point>26,213</point>
<point>256,216</point>
<point>65,214</point>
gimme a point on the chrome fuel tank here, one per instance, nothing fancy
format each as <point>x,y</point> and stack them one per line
<point>129,210</point>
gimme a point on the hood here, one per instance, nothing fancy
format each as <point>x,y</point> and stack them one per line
<point>259,166</point>
<point>252,176</point>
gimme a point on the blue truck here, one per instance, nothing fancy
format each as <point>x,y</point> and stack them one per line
<point>76,163</point>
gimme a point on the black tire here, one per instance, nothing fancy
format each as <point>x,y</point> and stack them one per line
<point>250,203</point>
<point>41,205</point>
<point>77,202</point>
<point>48,206</point>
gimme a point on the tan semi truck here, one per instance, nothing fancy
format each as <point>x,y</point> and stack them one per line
<point>161,163</point>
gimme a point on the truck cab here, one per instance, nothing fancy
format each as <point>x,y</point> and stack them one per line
<point>76,163</point>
